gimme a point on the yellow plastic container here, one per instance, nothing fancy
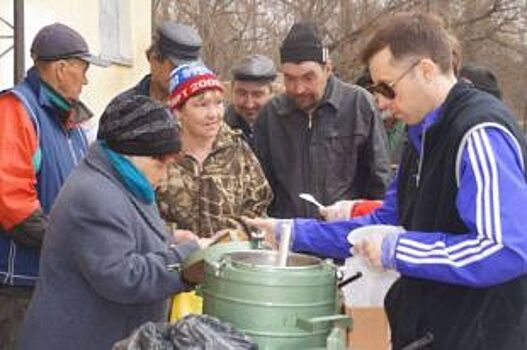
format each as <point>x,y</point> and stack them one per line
<point>184,304</point>
<point>189,302</point>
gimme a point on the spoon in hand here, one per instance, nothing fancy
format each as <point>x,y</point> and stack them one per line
<point>309,197</point>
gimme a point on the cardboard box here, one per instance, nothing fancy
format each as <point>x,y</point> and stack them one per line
<point>370,329</point>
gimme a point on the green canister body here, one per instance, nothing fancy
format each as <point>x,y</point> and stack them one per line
<point>273,304</point>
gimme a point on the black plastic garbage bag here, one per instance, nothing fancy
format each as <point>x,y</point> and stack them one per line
<point>193,332</point>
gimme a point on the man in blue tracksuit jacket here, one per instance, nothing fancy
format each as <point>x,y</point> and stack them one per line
<point>459,196</point>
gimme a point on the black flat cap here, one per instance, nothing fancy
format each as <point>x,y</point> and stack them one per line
<point>180,42</point>
<point>254,68</point>
<point>139,126</point>
<point>58,41</point>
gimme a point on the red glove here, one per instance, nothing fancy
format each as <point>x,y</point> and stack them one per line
<point>364,207</point>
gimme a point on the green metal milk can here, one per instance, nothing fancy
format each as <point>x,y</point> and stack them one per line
<point>290,307</point>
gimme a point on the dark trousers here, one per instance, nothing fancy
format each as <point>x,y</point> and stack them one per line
<point>14,302</point>
<point>456,317</point>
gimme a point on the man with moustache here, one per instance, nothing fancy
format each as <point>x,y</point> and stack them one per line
<point>321,136</point>
<point>252,88</point>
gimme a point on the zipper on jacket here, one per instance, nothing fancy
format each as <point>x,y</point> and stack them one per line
<point>421,157</point>
<point>306,162</point>
<point>71,147</point>
<point>72,151</point>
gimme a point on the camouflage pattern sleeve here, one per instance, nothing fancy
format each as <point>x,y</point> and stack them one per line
<point>258,194</point>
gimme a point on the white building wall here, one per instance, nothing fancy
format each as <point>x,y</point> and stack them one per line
<point>83,16</point>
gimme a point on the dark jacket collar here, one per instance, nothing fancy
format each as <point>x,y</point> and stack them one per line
<point>333,93</point>
<point>34,82</point>
<point>143,87</point>
<point>458,92</point>
<point>332,97</point>
<point>235,121</point>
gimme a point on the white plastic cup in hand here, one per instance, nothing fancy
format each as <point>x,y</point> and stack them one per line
<point>371,289</point>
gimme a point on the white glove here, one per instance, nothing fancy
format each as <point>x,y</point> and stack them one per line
<point>340,210</point>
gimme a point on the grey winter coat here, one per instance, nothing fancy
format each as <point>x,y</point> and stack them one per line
<point>338,152</point>
<point>103,268</point>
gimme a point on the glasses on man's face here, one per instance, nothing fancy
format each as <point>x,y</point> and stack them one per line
<point>387,89</point>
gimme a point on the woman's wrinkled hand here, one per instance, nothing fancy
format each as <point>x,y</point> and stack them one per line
<point>266,225</point>
<point>183,236</point>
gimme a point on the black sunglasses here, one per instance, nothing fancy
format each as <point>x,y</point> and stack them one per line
<point>387,89</point>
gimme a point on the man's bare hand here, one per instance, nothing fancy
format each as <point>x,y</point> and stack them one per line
<point>370,249</point>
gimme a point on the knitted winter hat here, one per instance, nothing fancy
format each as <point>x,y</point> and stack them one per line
<point>188,80</point>
<point>303,43</point>
<point>139,126</point>
<point>482,78</point>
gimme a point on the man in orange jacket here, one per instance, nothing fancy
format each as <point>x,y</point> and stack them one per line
<point>40,143</point>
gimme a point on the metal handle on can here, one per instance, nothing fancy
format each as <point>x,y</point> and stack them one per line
<point>348,280</point>
<point>318,323</point>
<point>220,266</point>
<point>336,339</point>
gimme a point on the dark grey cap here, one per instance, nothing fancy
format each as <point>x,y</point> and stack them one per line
<point>254,68</point>
<point>58,41</point>
<point>179,42</point>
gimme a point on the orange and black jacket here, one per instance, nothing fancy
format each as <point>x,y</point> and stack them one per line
<point>37,153</point>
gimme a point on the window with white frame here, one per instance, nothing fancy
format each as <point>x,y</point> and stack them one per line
<point>115,31</point>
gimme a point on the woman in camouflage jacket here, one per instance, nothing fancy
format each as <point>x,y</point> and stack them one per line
<point>219,179</point>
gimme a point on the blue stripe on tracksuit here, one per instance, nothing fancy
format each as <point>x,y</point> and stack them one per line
<point>491,199</point>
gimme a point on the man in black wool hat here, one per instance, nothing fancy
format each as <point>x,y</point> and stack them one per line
<point>321,136</point>
<point>252,88</point>
<point>174,44</point>
<point>482,78</point>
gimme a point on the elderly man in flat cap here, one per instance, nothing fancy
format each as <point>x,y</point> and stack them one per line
<point>252,87</point>
<point>174,44</point>
<point>322,136</point>
<point>40,143</point>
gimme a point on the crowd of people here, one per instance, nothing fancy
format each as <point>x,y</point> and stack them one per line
<point>89,234</point>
